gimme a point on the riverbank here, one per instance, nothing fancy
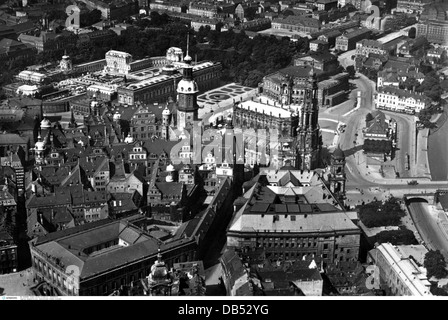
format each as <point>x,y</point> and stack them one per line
<point>438,150</point>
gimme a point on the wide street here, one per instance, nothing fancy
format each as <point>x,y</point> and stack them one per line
<point>364,185</point>
<point>358,174</point>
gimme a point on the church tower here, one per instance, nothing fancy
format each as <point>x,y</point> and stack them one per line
<point>187,90</point>
<point>337,176</point>
<point>39,150</point>
<point>166,118</point>
<point>308,138</point>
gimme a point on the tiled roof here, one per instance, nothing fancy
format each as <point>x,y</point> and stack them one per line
<point>314,209</point>
<point>170,188</point>
<point>70,246</point>
<point>12,138</point>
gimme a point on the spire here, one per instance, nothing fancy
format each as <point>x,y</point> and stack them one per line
<point>187,58</point>
<point>338,153</point>
<point>159,256</point>
<point>72,119</point>
<point>188,42</point>
<point>312,72</point>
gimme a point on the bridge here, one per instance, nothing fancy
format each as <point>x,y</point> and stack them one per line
<point>394,35</point>
<point>419,197</point>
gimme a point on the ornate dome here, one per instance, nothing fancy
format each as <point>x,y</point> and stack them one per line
<point>159,271</point>
<point>45,124</point>
<point>170,168</point>
<point>188,58</point>
<point>187,86</point>
<point>338,153</point>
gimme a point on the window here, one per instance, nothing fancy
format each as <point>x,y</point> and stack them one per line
<point>325,246</point>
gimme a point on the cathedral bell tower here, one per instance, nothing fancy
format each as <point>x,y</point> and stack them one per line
<point>308,138</point>
<point>337,176</point>
<point>187,90</point>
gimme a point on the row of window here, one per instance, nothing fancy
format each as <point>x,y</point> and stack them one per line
<point>54,276</point>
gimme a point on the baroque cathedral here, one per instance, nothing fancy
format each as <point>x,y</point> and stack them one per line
<point>287,107</point>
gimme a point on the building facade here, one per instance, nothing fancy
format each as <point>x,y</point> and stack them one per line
<point>297,23</point>
<point>400,273</point>
<point>411,6</point>
<point>366,46</point>
<point>433,23</point>
<point>348,41</point>
<point>8,254</point>
<point>399,100</point>
<point>288,224</point>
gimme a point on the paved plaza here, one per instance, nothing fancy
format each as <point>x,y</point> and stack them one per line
<point>17,284</point>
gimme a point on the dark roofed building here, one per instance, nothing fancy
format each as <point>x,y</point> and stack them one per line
<point>102,255</point>
<point>294,221</point>
<point>236,276</point>
<point>7,32</point>
<point>379,128</point>
<point>8,253</point>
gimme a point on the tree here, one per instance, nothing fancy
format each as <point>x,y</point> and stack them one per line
<point>411,84</point>
<point>351,71</point>
<point>435,264</point>
<point>379,214</point>
<point>435,290</point>
<point>253,79</point>
<point>397,237</point>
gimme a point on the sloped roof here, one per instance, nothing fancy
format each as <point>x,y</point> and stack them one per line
<point>12,138</point>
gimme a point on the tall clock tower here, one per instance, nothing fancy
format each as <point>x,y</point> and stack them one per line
<point>187,90</point>
<point>308,139</point>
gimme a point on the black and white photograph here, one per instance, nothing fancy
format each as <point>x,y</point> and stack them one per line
<point>223,158</point>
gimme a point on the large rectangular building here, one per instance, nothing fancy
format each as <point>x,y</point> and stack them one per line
<point>97,258</point>
<point>163,84</point>
<point>399,271</point>
<point>399,100</point>
<point>297,23</point>
<point>294,216</point>
<point>411,6</point>
<point>348,41</point>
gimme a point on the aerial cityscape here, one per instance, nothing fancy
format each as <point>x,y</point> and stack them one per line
<point>224,148</point>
